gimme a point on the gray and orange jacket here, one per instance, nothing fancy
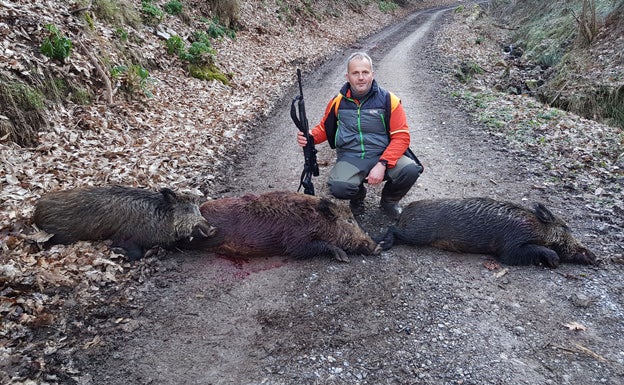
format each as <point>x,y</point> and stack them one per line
<point>374,127</point>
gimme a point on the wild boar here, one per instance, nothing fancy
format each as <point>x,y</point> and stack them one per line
<point>135,219</point>
<point>282,223</point>
<point>514,234</point>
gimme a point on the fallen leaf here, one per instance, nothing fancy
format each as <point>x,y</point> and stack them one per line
<point>39,236</point>
<point>96,341</point>
<point>501,273</point>
<point>491,265</point>
<point>575,326</point>
<point>12,180</point>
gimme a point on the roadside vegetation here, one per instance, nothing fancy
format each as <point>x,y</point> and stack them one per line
<point>568,40</point>
<point>547,78</point>
<point>562,38</point>
<point>124,68</point>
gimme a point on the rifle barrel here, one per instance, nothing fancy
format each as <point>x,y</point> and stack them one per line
<point>299,81</point>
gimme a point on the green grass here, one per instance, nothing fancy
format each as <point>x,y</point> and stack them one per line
<point>117,12</point>
<point>173,7</point>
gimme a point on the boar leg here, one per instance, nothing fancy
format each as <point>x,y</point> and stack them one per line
<point>315,248</point>
<point>583,257</point>
<point>530,254</point>
<point>386,241</point>
<point>128,248</point>
<point>58,239</point>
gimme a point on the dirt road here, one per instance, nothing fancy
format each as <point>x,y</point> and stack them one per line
<point>408,316</point>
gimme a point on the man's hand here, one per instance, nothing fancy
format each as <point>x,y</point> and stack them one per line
<point>301,139</point>
<point>376,174</point>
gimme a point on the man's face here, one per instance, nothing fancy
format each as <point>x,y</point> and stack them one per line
<point>360,76</point>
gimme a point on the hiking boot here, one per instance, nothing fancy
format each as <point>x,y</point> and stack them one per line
<point>356,204</point>
<point>391,208</point>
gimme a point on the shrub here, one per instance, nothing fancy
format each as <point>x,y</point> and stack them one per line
<point>122,34</point>
<point>387,6</point>
<point>216,30</point>
<point>135,80</point>
<point>152,15</point>
<point>174,7</point>
<point>199,55</point>
<point>175,45</point>
<point>200,51</point>
<point>56,45</point>
<point>467,70</point>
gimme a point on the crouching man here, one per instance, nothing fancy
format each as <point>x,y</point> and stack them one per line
<point>368,128</point>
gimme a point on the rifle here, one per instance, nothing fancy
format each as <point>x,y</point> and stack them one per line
<point>310,167</point>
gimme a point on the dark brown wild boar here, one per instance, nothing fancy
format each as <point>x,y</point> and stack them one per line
<point>282,223</point>
<point>514,234</point>
<point>134,219</point>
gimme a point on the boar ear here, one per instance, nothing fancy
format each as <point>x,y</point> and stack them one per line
<point>169,195</point>
<point>543,214</point>
<point>326,208</point>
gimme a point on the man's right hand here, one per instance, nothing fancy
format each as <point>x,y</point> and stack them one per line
<point>301,139</point>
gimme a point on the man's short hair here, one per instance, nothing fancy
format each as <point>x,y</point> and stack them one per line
<point>359,55</point>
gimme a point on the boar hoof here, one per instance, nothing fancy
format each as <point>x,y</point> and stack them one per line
<point>584,257</point>
<point>152,252</point>
<point>386,241</point>
<point>551,260</point>
<point>132,254</point>
<point>340,255</point>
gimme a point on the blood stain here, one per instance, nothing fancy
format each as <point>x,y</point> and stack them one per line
<point>246,266</point>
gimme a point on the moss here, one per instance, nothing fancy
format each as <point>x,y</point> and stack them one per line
<point>208,72</point>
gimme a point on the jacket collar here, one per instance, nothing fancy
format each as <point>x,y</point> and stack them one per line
<point>346,90</point>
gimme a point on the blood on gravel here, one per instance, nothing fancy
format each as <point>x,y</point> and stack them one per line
<point>241,267</point>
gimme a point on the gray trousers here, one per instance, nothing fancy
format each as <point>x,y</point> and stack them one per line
<point>347,176</point>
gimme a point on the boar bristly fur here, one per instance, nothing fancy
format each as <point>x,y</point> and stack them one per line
<point>283,223</point>
<point>514,234</point>
<point>134,219</point>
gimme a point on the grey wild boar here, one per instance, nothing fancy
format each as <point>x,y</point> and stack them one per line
<point>282,223</point>
<point>135,219</point>
<point>514,234</point>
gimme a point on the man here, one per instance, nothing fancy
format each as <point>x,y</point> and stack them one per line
<point>368,128</point>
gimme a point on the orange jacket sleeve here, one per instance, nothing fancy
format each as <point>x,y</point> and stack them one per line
<point>318,132</point>
<point>399,133</point>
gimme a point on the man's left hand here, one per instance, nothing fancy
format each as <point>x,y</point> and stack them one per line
<point>376,174</point>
